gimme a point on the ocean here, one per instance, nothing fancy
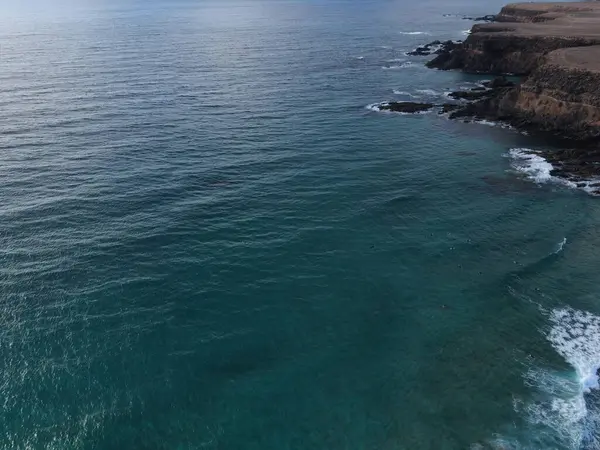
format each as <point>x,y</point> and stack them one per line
<point>211,239</point>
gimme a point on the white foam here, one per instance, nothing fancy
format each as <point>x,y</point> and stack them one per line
<point>431,50</point>
<point>407,94</point>
<point>376,107</point>
<point>466,32</point>
<point>559,403</point>
<point>360,58</point>
<point>576,337</point>
<point>396,60</point>
<point>590,186</point>
<point>400,66</point>
<point>489,123</point>
<point>414,33</point>
<point>560,246</point>
<point>531,165</point>
<point>464,85</point>
<point>537,169</point>
<point>428,92</point>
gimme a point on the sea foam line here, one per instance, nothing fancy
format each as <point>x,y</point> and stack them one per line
<point>400,66</point>
<point>413,33</point>
<point>538,169</point>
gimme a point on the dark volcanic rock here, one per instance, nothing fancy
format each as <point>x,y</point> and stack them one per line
<point>470,95</point>
<point>420,51</point>
<point>496,106</point>
<point>434,48</point>
<point>449,56</point>
<point>406,107</point>
<point>487,18</point>
<point>425,50</point>
<point>498,82</point>
<point>556,48</point>
<point>449,107</point>
<point>448,46</point>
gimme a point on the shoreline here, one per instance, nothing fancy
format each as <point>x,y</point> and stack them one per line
<point>555,50</point>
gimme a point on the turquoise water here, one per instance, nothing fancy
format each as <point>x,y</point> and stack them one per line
<point>208,241</point>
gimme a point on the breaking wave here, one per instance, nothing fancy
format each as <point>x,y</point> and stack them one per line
<point>567,406</point>
<point>536,168</point>
<point>530,164</point>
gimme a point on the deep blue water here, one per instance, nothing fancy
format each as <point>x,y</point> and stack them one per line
<point>207,241</point>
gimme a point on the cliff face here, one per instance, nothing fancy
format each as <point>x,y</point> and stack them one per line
<point>556,47</point>
<point>559,98</point>
<point>502,49</point>
<point>504,52</point>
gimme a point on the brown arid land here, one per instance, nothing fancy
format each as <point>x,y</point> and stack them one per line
<point>554,50</point>
<point>555,47</point>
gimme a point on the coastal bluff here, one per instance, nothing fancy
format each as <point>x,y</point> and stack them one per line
<point>555,47</point>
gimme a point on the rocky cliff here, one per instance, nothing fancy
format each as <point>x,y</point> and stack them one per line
<point>563,94</point>
<point>556,48</point>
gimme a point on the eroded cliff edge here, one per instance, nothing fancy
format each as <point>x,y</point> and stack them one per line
<point>556,48</point>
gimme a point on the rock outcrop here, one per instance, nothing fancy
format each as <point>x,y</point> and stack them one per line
<point>522,35</point>
<point>556,48</point>
<point>404,107</point>
<point>435,48</point>
<point>563,94</point>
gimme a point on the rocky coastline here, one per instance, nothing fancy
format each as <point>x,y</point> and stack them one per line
<point>554,49</point>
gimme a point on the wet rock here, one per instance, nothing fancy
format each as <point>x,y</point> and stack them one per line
<point>447,46</point>
<point>494,105</point>
<point>486,18</point>
<point>449,107</point>
<point>470,95</point>
<point>406,107</point>
<point>420,51</point>
<point>425,50</point>
<point>449,56</point>
<point>498,82</point>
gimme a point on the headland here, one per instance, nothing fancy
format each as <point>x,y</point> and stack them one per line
<point>554,49</point>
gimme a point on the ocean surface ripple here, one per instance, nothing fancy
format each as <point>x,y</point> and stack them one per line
<point>207,240</point>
